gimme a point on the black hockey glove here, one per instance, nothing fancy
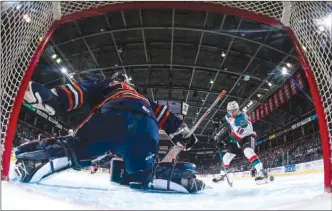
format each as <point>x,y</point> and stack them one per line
<point>220,144</point>
<point>188,142</point>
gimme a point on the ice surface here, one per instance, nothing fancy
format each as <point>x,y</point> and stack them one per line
<point>82,190</point>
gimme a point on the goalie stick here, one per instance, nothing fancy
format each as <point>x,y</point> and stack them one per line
<point>177,149</point>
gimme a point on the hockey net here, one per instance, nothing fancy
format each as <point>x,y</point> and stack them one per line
<point>26,27</point>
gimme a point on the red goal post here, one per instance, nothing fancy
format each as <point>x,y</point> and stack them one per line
<point>26,27</point>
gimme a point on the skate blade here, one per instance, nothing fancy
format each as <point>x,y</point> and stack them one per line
<point>261,182</point>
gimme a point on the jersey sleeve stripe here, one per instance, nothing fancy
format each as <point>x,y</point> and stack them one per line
<point>161,113</point>
<point>157,109</point>
<point>161,123</point>
<point>70,97</point>
<point>71,88</point>
<point>78,88</point>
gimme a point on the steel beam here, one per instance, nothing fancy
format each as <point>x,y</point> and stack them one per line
<point>208,69</point>
<point>87,46</point>
<point>176,43</point>
<point>114,41</point>
<point>178,28</point>
<point>221,65</point>
<point>197,54</point>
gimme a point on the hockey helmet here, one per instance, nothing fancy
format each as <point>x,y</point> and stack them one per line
<point>120,77</point>
<point>231,106</point>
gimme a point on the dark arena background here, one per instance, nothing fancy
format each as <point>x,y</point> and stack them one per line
<point>273,58</point>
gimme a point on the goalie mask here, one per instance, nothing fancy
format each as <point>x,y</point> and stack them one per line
<point>120,77</point>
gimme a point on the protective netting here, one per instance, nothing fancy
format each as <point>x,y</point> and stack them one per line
<point>271,9</point>
<point>312,25</point>
<point>25,24</point>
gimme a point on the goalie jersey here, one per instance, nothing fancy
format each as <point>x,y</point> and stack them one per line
<point>110,94</point>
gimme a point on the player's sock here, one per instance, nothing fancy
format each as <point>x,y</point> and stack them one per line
<point>256,162</point>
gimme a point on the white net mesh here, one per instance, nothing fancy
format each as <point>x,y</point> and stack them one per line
<point>271,9</point>
<point>24,24</point>
<point>312,26</point>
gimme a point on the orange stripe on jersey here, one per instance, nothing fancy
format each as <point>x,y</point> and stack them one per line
<point>103,102</point>
<point>157,109</point>
<point>70,97</point>
<point>78,88</point>
<point>163,120</point>
<point>134,97</point>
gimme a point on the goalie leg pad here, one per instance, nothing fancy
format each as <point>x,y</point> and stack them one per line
<point>37,160</point>
<point>167,177</point>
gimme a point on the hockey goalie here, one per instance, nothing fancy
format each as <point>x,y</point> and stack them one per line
<point>121,120</point>
<point>241,141</point>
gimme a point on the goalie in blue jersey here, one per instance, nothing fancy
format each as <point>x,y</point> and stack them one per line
<point>121,120</point>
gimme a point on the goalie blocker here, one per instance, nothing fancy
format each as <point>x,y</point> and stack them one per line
<point>167,176</point>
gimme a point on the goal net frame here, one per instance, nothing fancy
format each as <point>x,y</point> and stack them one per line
<point>283,15</point>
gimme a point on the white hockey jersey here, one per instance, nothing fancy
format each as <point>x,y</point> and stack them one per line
<point>241,126</point>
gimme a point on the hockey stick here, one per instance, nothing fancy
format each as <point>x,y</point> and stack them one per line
<point>230,183</point>
<point>207,112</point>
<point>177,149</point>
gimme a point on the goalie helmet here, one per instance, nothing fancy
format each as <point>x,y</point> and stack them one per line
<point>120,77</point>
<point>231,106</point>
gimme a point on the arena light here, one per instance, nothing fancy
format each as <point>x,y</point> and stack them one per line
<point>269,83</point>
<point>246,78</point>
<point>130,78</point>
<point>211,81</point>
<point>289,65</point>
<point>223,54</point>
<point>27,18</point>
<point>53,56</point>
<point>259,95</point>
<point>321,28</point>
<point>284,70</point>
<point>58,60</point>
<point>18,6</point>
<point>324,23</point>
<point>63,70</point>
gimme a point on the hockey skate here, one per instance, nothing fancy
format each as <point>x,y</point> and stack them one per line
<point>219,178</point>
<point>261,178</point>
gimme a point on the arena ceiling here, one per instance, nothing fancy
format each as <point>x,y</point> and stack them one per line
<point>176,54</point>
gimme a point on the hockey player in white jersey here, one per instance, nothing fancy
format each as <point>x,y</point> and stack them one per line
<point>240,141</point>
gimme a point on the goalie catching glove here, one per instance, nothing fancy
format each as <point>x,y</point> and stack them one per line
<point>43,99</point>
